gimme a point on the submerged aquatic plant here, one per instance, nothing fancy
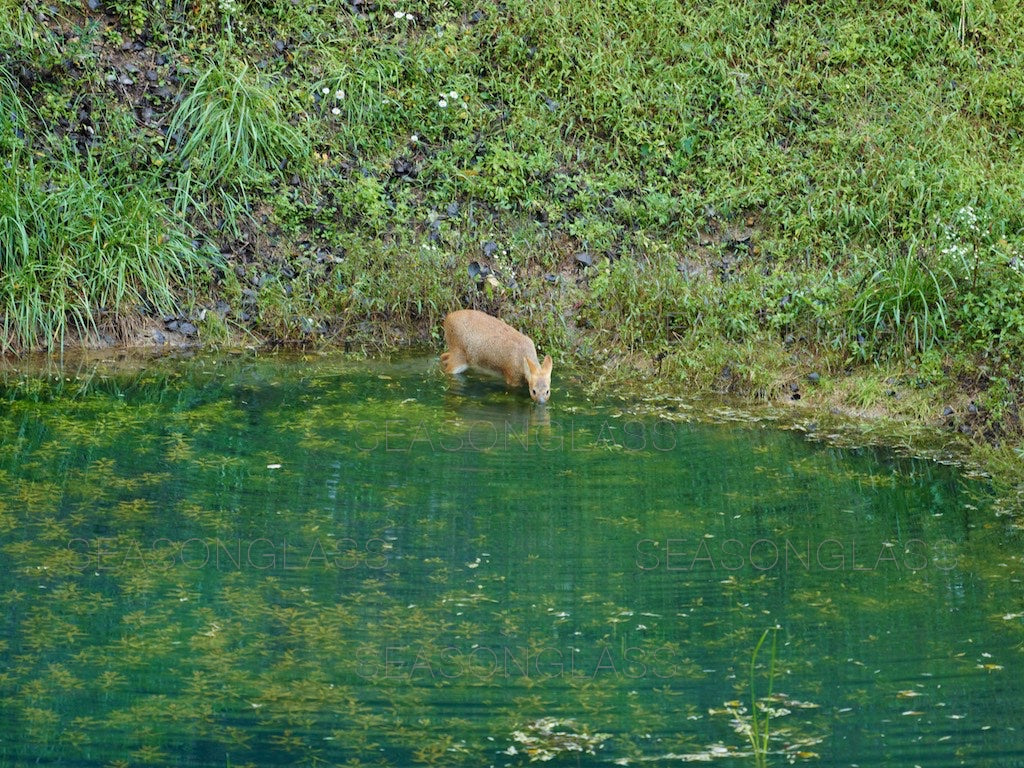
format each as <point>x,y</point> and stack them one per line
<point>760,727</point>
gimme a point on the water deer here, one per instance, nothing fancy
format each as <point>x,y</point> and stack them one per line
<point>480,340</point>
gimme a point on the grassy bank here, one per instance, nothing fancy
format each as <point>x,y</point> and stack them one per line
<point>774,199</point>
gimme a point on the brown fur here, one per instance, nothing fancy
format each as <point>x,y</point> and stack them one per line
<point>479,340</point>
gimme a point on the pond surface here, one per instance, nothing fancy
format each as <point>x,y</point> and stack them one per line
<point>226,561</point>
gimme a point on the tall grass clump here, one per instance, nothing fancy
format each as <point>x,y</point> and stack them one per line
<point>901,306</point>
<point>230,127</point>
<point>24,36</point>
<point>80,253</point>
<point>12,116</point>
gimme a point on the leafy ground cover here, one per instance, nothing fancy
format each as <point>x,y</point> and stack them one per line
<point>778,199</point>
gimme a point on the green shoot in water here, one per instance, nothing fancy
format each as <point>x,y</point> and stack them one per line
<point>760,731</point>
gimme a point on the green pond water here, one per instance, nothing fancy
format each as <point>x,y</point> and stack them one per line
<point>289,561</point>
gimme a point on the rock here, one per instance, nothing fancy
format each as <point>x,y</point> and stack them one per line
<point>159,338</point>
<point>188,329</point>
<point>404,168</point>
<point>814,377</point>
<point>478,271</point>
<point>584,259</point>
<point>972,408</point>
<point>947,411</point>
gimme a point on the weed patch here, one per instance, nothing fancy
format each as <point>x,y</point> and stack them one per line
<point>80,255</point>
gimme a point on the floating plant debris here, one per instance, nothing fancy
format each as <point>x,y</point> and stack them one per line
<point>549,737</point>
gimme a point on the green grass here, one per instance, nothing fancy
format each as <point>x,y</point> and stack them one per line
<point>901,306</point>
<point>80,255</point>
<point>13,119</point>
<point>230,127</point>
<point>764,188</point>
<point>22,34</point>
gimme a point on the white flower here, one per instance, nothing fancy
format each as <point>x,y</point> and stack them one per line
<point>453,95</point>
<point>399,14</point>
<point>414,138</point>
<point>326,90</point>
<point>442,103</point>
<point>335,111</point>
<point>339,94</point>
